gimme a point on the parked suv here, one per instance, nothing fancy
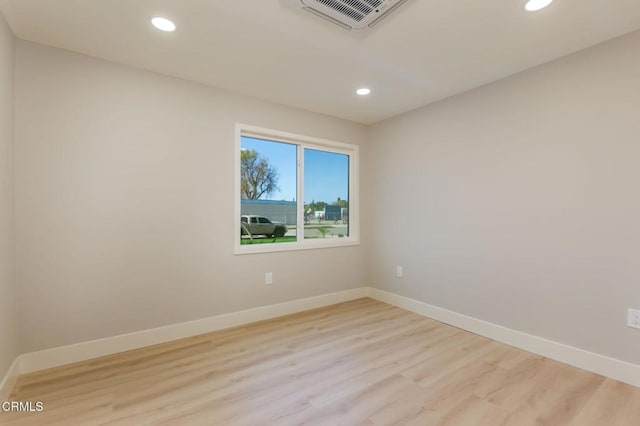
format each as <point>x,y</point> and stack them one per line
<point>260,225</point>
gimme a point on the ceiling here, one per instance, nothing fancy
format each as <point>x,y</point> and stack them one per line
<point>428,50</point>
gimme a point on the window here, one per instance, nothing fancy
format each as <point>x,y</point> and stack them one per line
<point>294,192</point>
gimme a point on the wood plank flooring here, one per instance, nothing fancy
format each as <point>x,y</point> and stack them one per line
<point>357,363</point>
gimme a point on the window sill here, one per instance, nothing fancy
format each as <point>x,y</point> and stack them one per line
<point>304,245</point>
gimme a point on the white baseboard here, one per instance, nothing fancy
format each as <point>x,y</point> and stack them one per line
<point>9,379</point>
<point>599,364</point>
<point>64,355</point>
<point>609,367</point>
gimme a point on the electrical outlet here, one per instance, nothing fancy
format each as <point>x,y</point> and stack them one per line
<point>633,318</point>
<point>399,271</point>
<point>268,278</point>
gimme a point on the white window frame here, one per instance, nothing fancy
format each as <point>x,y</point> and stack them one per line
<point>302,142</point>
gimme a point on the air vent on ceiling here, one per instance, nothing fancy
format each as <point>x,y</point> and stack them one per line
<point>353,15</point>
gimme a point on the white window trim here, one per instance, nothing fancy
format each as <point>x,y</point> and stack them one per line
<point>302,142</point>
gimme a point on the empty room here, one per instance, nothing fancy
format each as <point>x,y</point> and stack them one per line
<point>320,212</point>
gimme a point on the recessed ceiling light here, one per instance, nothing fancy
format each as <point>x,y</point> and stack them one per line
<point>533,5</point>
<point>363,92</point>
<point>163,24</point>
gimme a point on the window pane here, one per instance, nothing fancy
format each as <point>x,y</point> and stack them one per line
<point>326,193</point>
<point>268,191</point>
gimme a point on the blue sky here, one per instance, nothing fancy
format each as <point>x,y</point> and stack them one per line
<point>326,174</point>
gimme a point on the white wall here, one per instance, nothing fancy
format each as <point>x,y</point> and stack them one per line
<point>518,203</point>
<point>514,203</point>
<point>7,305</point>
<point>124,202</point>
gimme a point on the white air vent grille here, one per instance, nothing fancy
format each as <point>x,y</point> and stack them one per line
<point>354,9</point>
<point>354,15</point>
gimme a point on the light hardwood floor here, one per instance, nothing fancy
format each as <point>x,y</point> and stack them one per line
<point>356,363</point>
